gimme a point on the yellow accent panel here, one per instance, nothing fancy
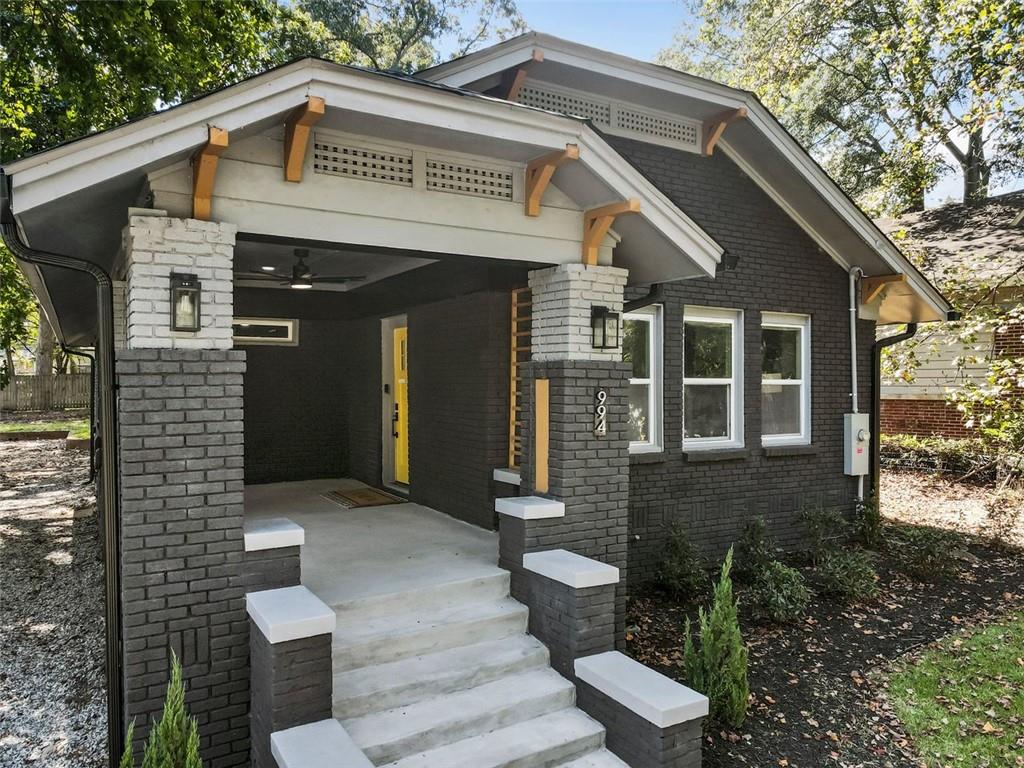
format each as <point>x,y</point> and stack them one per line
<point>540,438</point>
<point>401,389</point>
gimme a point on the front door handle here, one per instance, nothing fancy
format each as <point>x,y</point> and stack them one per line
<point>394,422</point>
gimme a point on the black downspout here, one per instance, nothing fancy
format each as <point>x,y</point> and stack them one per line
<point>656,295</point>
<point>876,404</point>
<point>108,450</point>
<point>92,405</point>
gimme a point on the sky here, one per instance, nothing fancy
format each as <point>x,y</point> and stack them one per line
<point>642,28</point>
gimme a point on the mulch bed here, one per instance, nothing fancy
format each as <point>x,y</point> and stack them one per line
<point>815,689</point>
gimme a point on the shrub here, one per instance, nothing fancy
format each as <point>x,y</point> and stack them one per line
<point>779,594</point>
<point>825,527</point>
<point>869,523</point>
<point>957,457</point>
<point>681,572</point>
<point>719,667</point>
<point>174,739</point>
<point>755,551</point>
<point>847,574</point>
<point>924,553</point>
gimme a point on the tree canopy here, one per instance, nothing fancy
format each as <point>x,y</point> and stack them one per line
<point>890,95</point>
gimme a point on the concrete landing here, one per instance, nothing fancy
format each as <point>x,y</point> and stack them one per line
<point>352,554</point>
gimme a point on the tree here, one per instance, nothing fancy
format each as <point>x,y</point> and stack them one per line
<point>891,95</point>
<point>17,308</point>
<point>402,35</point>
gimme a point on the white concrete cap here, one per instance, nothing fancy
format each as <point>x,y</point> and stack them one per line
<point>273,533</point>
<point>290,613</point>
<point>529,507</point>
<point>650,694</point>
<point>507,475</point>
<point>569,568</point>
<point>323,744</point>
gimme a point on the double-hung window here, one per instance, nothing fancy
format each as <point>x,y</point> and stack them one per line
<point>642,347</point>
<point>785,378</point>
<point>712,378</point>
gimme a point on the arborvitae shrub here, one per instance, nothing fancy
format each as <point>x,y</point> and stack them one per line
<point>174,739</point>
<point>718,668</point>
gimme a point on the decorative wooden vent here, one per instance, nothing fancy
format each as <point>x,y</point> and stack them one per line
<point>520,349</point>
<point>468,179</point>
<point>363,162</point>
<point>618,117</point>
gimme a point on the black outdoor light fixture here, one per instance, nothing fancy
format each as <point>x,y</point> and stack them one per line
<point>185,293</point>
<point>604,328</point>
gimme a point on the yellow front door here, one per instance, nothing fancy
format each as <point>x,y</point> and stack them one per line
<point>400,418</point>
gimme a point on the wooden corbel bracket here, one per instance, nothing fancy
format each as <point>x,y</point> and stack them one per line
<point>512,81</point>
<point>539,173</point>
<point>296,135</point>
<point>714,127</point>
<point>872,287</point>
<point>597,222</point>
<point>204,172</point>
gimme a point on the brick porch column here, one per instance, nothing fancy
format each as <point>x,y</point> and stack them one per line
<point>180,459</point>
<point>587,472</point>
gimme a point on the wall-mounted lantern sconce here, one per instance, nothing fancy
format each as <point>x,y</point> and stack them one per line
<point>604,328</point>
<point>185,295</point>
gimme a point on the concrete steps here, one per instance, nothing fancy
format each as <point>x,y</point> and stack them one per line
<point>408,681</point>
<point>447,676</point>
<point>396,733</point>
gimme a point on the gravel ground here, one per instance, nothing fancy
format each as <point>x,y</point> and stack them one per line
<point>52,682</point>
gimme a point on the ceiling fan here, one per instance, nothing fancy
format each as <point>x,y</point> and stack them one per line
<point>302,276</point>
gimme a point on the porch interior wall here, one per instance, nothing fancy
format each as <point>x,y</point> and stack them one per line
<point>779,269</point>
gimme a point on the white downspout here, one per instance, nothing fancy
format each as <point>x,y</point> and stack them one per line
<point>855,274</point>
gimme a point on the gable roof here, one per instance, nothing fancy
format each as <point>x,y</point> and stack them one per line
<point>759,145</point>
<point>974,236</point>
<point>74,198</point>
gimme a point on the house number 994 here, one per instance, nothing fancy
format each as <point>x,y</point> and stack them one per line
<point>601,413</point>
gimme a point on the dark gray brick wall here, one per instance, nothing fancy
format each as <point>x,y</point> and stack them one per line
<point>291,686</point>
<point>362,396</point>
<point>458,403</point>
<point>636,739</point>
<point>272,568</point>
<point>182,549</point>
<point>570,622</point>
<point>780,269</point>
<point>589,474</point>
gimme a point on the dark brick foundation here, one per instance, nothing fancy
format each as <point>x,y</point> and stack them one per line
<point>637,740</point>
<point>272,568</point>
<point>291,685</point>
<point>182,550</point>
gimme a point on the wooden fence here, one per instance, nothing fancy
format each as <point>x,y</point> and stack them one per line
<point>46,393</point>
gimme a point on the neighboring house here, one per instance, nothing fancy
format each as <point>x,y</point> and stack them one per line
<point>983,244</point>
<point>467,239</point>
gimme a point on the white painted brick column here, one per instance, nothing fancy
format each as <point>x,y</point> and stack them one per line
<point>562,298</point>
<point>155,246</point>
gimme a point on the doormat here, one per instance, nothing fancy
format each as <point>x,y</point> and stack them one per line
<point>351,498</point>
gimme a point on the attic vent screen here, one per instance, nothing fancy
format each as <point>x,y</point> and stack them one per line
<point>569,103</point>
<point>656,125</point>
<point>356,162</point>
<point>468,179</point>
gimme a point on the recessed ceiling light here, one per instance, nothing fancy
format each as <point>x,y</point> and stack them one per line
<point>268,268</point>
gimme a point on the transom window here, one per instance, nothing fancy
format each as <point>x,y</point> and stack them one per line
<point>642,347</point>
<point>785,378</point>
<point>712,378</point>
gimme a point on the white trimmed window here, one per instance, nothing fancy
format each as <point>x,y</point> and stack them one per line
<point>712,378</point>
<point>642,347</point>
<point>785,379</point>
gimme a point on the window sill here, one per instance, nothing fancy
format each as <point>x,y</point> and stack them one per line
<point>779,451</point>
<point>715,454</point>
<point>647,457</point>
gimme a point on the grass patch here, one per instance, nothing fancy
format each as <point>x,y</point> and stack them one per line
<point>76,428</point>
<point>962,701</point>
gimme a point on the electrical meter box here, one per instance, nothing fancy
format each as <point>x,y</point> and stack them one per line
<point>857,443</point>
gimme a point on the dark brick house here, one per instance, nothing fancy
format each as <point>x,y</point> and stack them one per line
<point>549,291</point>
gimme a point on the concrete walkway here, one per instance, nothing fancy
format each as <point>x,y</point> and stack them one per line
<point>351,554</point>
